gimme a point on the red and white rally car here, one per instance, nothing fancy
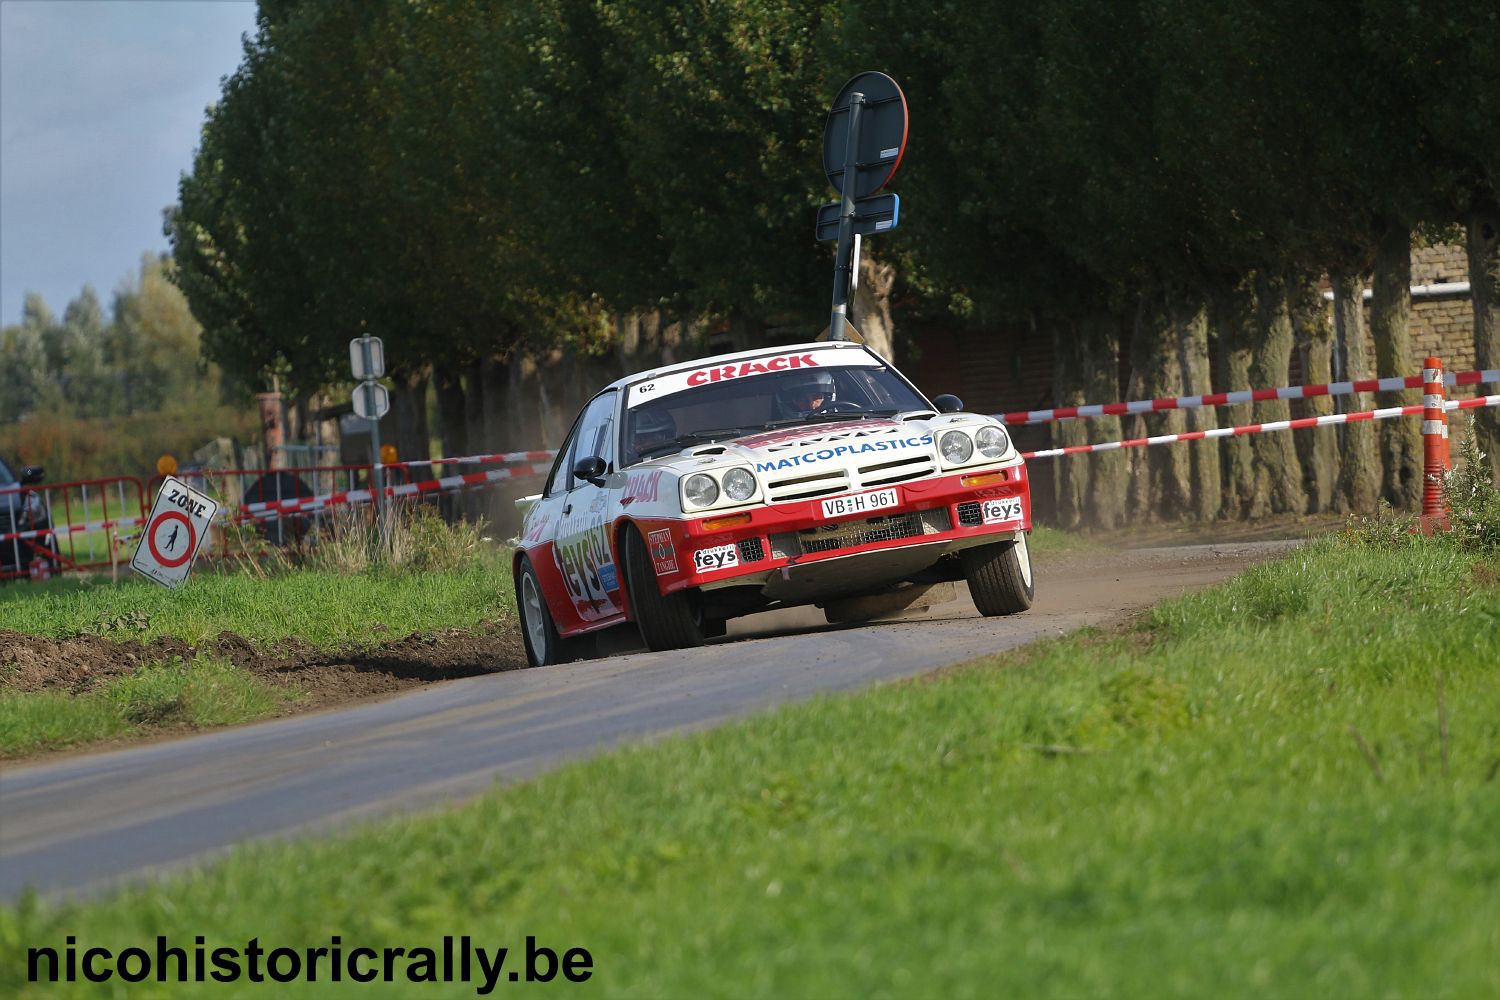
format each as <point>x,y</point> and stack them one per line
<point>810,474</point>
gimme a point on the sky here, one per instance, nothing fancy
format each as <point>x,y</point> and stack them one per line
<point>101,104</point>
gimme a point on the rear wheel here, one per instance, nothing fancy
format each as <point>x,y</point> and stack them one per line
<point>667,621</point>
<point>543,645</point>
<point>999,576</point>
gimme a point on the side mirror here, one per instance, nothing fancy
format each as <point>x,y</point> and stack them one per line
<point>590,470</point>
<point>31,474</point>
<point>948,403</point>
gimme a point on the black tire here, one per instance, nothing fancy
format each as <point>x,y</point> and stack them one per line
<point>1000,577</point>
<point>544,646</point>
<point>666,621</point>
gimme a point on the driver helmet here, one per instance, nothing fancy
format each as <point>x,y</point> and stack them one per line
<point>806,392</point>
<point>652,427</point>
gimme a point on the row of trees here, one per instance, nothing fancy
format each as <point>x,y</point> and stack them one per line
<point>140,357</point>
<point>495,189</point>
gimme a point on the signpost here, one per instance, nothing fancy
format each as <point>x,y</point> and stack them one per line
<point>371,401</point>
<point>863,142</point>
<point>175,530</point>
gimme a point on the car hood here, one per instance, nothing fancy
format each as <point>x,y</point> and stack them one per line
<point>827,444</point>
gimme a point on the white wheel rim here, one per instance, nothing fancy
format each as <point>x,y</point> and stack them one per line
<point>531,610</point>
<point>1023,556</point>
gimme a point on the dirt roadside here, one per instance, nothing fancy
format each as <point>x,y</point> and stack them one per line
<point>77,665</point>
<point>1097,587</point>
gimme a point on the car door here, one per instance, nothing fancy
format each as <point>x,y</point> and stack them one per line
<point>585,557</point>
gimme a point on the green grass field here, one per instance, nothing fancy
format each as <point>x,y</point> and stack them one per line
<point>205,692</point>
<point>327,610</point>
<point>1284,786</point>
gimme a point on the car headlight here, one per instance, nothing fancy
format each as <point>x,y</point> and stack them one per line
<point>701,490</point>
<point>956,447</point>
<point>992,442</point>
<point>739,484</point>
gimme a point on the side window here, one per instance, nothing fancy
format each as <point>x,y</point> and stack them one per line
<point>594,435</point>
<point>562,468</point>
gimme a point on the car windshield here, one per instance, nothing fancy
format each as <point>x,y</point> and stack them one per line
<point>733,402</point>
<point>6,477</point>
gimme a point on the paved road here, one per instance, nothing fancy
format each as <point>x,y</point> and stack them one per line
<point>79,824</point>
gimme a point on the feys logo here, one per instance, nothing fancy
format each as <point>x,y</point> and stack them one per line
<point>786,362</point>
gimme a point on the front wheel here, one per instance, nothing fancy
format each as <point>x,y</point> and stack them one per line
<point>543,645</point>
<point>999,576</point>
<point>667,621</point>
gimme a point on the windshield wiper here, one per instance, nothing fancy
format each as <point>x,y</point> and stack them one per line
<point>696,437</point>
<point>827,418</point>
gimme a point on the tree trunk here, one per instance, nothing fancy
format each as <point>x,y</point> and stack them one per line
<point>453,429</point>
<point>1090,489</point>
<point>1071,474</point>
<point>1101,377</point>
<point>474,429</point>
<point>1483,246</point>
<point>1234,317</point>
<point>496,401</point>
<point>1359,471</point>
<point>1317,447</point>
<point>1390,310</point>
<point>872,305</point>
<point>1161,475</point>
<point>1278,474</point>
<point>1190,323</point>
<point>409,405</point>
<point>746,332</point>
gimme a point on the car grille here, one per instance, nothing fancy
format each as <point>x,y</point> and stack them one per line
<point>806,487</point>
<point>848,534</point>
<point>899,471</point>
<point>970,515</point>
<point>751,550</point>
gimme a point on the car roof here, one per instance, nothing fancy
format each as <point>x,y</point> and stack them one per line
<point>759,352</point>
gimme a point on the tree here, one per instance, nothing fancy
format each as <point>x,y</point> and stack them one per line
<point>152,345</point>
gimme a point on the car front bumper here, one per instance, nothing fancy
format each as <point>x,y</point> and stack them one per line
<point>776,547</point>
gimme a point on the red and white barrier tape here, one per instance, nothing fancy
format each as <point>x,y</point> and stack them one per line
<point>307,504</point>
<point>73,529</point>
<point>1243,396</point>
<point>272,509</point>
<point>1275,425</point>
<point>506,458</point>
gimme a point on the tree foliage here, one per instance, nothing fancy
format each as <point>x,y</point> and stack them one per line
<point>468,179</point>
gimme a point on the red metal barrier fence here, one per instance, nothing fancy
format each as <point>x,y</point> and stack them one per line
<point>53,527</point>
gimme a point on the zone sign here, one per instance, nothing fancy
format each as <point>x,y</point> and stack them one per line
<point>175,531</point>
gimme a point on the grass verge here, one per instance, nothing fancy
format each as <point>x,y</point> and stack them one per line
<point>1285,785</point>
<point>327,610</point>
<point>163,698</point>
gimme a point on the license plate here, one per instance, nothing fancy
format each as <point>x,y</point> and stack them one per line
<point>1000,511</point>
<point>860,503</point>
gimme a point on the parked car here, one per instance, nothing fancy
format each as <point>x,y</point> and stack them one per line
<point>21,510</point>
<point>811,474</point>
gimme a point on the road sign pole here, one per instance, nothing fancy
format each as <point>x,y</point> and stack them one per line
<point>377,490</point>
<point>845,254</point>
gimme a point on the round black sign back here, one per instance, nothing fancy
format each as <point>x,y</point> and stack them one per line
<point>882,134</point>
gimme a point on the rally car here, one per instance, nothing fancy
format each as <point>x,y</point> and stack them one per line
<point>808,474</point>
